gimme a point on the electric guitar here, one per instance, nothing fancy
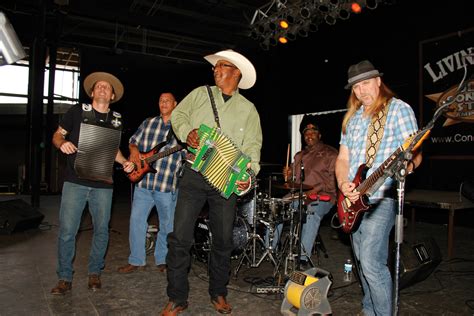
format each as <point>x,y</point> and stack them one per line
<point>147,158</point>
<point>349,213</point>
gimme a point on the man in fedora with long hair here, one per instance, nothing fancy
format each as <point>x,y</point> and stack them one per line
<point>88,176</point>
<point>239,120</point>
<point>375,125</point>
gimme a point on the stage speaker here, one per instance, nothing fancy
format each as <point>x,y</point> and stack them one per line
<point>418,261</point>
<point>467,190</point>
<point>17,215</point>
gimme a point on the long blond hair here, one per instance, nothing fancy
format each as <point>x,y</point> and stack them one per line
<point>353,104</point>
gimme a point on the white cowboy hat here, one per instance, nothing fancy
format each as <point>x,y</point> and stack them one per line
<point>249,75</point>
<point>104,76</point>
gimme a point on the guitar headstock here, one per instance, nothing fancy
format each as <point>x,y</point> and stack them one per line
<point>414,141</point>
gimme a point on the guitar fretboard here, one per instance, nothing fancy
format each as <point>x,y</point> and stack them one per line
<point>163,154</point>
<point>379,172</point>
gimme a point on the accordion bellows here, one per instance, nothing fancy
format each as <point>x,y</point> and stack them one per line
<point>220,161</point>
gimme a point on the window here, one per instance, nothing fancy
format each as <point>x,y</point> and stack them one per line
<point>14,84</point>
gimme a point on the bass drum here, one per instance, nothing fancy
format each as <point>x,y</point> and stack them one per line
<point>202,238</point>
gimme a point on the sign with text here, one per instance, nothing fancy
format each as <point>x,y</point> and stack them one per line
<point>447,67</point>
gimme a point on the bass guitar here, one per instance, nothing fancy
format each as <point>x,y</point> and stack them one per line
<point>147,158</point>
<point>350,214</point>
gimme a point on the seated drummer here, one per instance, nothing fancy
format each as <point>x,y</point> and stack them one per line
<point>318,160</point>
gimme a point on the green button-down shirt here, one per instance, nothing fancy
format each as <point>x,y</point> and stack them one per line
<point>238,118</point>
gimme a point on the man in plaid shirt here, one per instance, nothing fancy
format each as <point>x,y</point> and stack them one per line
<point>369,97</point>
<point>154,189</point>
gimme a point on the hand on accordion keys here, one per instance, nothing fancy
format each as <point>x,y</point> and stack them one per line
<point>245,186</point>
<point>193,138</point>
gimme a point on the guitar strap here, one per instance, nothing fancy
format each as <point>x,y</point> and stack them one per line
<point>216,118</point>
<point>170,135</point>
<point>375,134</point>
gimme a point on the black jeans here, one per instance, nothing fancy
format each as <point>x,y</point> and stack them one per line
<point>194,191</point>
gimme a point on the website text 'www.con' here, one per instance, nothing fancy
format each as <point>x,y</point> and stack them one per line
<point>457,138</point>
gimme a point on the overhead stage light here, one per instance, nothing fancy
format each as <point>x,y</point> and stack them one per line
<point>356,8</point>
<point>281,21</point>
<point>11,49</point>
<point>282,39</point>
<point>284,24</point>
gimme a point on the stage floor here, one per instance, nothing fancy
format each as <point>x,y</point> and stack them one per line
<point>28,263</point>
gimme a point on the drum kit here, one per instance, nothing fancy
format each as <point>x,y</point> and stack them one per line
<point>257,216</point>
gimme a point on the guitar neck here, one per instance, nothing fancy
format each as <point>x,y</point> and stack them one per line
<point>379,172</point>
<point>163,154</point>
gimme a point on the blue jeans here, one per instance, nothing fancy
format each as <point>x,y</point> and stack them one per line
<point>194,191</point>
<point>370,243</point>
<point>73,202</point>
<point>143,202</point>
<point>315,213</point>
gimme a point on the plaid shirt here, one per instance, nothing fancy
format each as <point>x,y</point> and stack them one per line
<point>400,124</point>
<point>154,131</point>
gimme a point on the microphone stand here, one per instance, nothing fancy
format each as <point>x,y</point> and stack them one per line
<point>300,213</point>
<point>399,169</point>
<point>400,175</point>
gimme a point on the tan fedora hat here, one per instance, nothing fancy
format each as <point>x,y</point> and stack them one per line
<point>104,76</point>
<point>249,75</point>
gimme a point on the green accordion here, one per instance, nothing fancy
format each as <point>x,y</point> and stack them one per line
<point>219,161</point>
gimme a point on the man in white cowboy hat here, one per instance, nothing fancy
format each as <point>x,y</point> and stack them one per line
<point>239,120</point>
<point>88,181</point>
<point>375,125</point>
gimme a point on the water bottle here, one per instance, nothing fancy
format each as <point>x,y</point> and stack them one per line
<point>348,271</point>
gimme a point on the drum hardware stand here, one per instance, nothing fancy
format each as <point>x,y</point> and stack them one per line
<point>294,238</point>
<point>251,245</point>
<point>320,247</point>
<point>289,246</point>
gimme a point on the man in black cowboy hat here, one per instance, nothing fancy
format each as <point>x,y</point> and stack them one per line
<point>83,186</point>
<point>375,125</point>
<point>239,120</point>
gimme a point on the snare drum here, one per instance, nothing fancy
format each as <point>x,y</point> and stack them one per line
<point>273,209</point>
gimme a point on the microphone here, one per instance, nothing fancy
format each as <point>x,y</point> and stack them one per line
<point>301,171</point>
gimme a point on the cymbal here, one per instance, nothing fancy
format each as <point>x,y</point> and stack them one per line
<point>290,186</point>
